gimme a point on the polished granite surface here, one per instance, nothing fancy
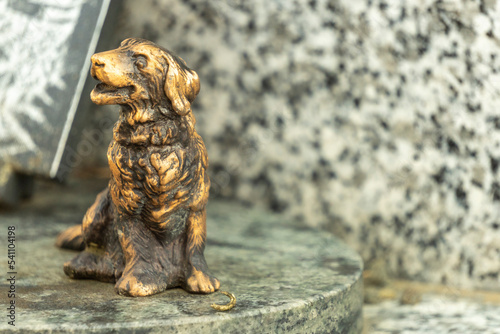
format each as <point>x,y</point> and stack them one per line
<point>286,278</point>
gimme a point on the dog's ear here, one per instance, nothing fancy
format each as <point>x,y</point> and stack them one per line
<point>181,84</point>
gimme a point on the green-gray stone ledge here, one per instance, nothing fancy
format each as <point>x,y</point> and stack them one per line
<point>287,279</point>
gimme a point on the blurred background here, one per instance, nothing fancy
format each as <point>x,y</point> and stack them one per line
<point>376,120</point>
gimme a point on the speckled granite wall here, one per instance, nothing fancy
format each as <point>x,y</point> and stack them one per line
<point>377,120</point>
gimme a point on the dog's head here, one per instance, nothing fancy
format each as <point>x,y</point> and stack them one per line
<point>139,70</point>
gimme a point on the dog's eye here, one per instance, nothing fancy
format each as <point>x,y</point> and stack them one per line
<point>141,62</point>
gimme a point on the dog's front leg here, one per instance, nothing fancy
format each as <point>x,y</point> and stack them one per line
<point>199,279</point>
<point>143,274</point>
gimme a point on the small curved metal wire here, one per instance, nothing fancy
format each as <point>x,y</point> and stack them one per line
<point>228,306</point>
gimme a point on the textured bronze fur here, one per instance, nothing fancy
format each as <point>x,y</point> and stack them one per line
<point>147,230</point>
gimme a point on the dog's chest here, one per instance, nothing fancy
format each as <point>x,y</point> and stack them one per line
<point>144,177</point>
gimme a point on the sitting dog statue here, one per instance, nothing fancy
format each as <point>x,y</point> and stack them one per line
<point>146,231</point>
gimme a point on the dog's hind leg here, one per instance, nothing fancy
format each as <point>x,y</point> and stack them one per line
<point>94,261</point>
<point>97,219</point>
<point>94,222</point>
<point>198,277</point>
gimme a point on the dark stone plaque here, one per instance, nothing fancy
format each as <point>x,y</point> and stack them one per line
<point>45,47</point>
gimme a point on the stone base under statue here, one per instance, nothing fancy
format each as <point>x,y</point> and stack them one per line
<point>286,279</point>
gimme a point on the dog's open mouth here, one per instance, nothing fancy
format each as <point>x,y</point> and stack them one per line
<point>104,93</point>
<point>103,88</point>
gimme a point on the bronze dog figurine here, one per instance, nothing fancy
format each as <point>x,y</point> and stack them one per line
<point>146,231</point>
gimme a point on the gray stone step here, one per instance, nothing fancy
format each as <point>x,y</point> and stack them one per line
<point>286,278</point>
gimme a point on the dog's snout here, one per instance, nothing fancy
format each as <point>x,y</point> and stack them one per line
<point>97,61</point>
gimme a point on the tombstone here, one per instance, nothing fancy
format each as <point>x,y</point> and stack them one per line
<point>45,47</point>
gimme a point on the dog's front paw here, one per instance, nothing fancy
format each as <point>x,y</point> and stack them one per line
<point>140,285</point>
<point>128,285</point>
<point>200,282</point>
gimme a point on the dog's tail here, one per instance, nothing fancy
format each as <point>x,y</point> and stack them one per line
<point>71,238</point>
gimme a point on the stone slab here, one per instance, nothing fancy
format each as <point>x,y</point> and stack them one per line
<point>435,314</point>
<point>287,279</point>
